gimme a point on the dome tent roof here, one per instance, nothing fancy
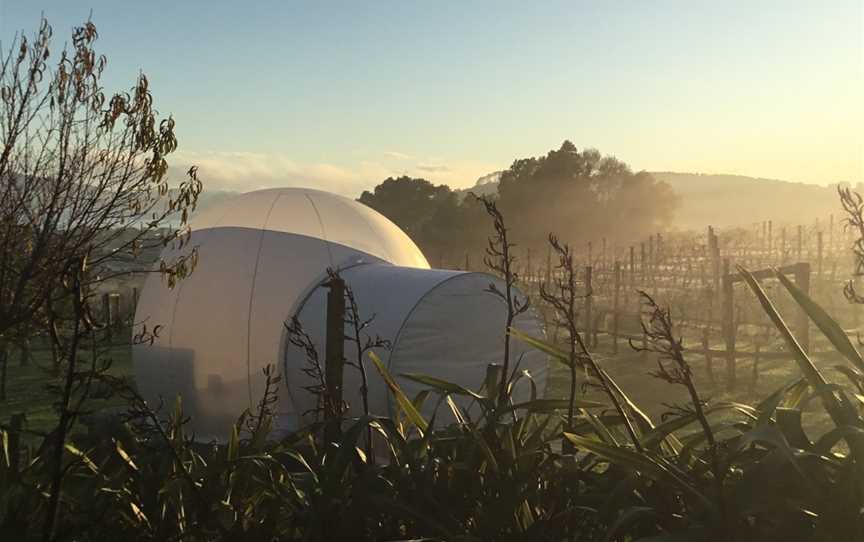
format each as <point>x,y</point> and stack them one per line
<point>318,215</point>
<point>261,258</point>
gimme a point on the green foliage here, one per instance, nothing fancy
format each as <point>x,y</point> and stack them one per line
<point>483,477</point>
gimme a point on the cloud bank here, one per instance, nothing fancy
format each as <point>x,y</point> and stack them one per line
<point>245,171</point>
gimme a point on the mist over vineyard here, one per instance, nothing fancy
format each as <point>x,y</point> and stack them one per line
<point>703,198</point>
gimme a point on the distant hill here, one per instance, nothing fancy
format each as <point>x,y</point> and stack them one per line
<point>727,200</point>
<point>212,198</point>
<point>718,200</point>
<point>206,200</point>
<point>730,200</point>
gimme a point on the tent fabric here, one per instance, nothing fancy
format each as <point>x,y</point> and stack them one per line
<point>317,215</point>
<point>261,259</point>
<point>439,323</point>
<point>457,330</point>
<point>258,255</point>
<point>225,321</point>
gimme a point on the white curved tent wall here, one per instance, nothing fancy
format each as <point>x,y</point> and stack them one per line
<point>440,323</point>
<point>261,257</point>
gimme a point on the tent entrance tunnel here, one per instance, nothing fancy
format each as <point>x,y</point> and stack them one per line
<point>440,323</point>
<point>262,259</point>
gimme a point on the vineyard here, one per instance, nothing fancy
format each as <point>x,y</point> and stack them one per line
<point>696,274</point>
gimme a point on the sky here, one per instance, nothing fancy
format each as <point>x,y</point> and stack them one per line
<point>340,95</point>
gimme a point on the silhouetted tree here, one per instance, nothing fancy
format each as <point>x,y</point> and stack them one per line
<point>83,175</point>
<point>410,203</point>
<point>583,195</point>
<point>435,217</point>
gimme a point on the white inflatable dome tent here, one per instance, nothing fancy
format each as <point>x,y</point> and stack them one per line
<point>262,259</point>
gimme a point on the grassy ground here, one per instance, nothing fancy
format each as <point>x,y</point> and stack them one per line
<point>28,387</point>
<point>631,370</point>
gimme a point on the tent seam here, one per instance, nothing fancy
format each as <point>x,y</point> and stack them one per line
<point>180,289</point>
<point>252,298</point>
<point>323,229</point>
<point>408,316</point>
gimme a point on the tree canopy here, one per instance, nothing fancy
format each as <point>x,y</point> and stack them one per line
<point>434,216</point>
<point>410,203</point>
<point>580,196</point>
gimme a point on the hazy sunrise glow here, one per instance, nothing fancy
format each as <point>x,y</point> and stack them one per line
<point>349,93</point>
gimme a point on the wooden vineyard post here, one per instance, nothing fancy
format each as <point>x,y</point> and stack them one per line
<point>728,325</point>
<point>493,377</point>
<point>762,231</point>
<point>467,262</point>
<point>764,243</point>
<point>661,262</point>
<point>709,358</point>
<point>334,356</point>
<point>800,247</point>
<point>714,247</point>
<point>819,250</point>
<point>642,271</point>
<point>651,251</point>
<point>783,246</point>
<point>589,294</point>
<point>770,242</point>
<point>632,270</point>
<point>549,265</point>
<point>651,255</point>
<point>802,280</point>
<point>615,307</point>
<point>603,254</point>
